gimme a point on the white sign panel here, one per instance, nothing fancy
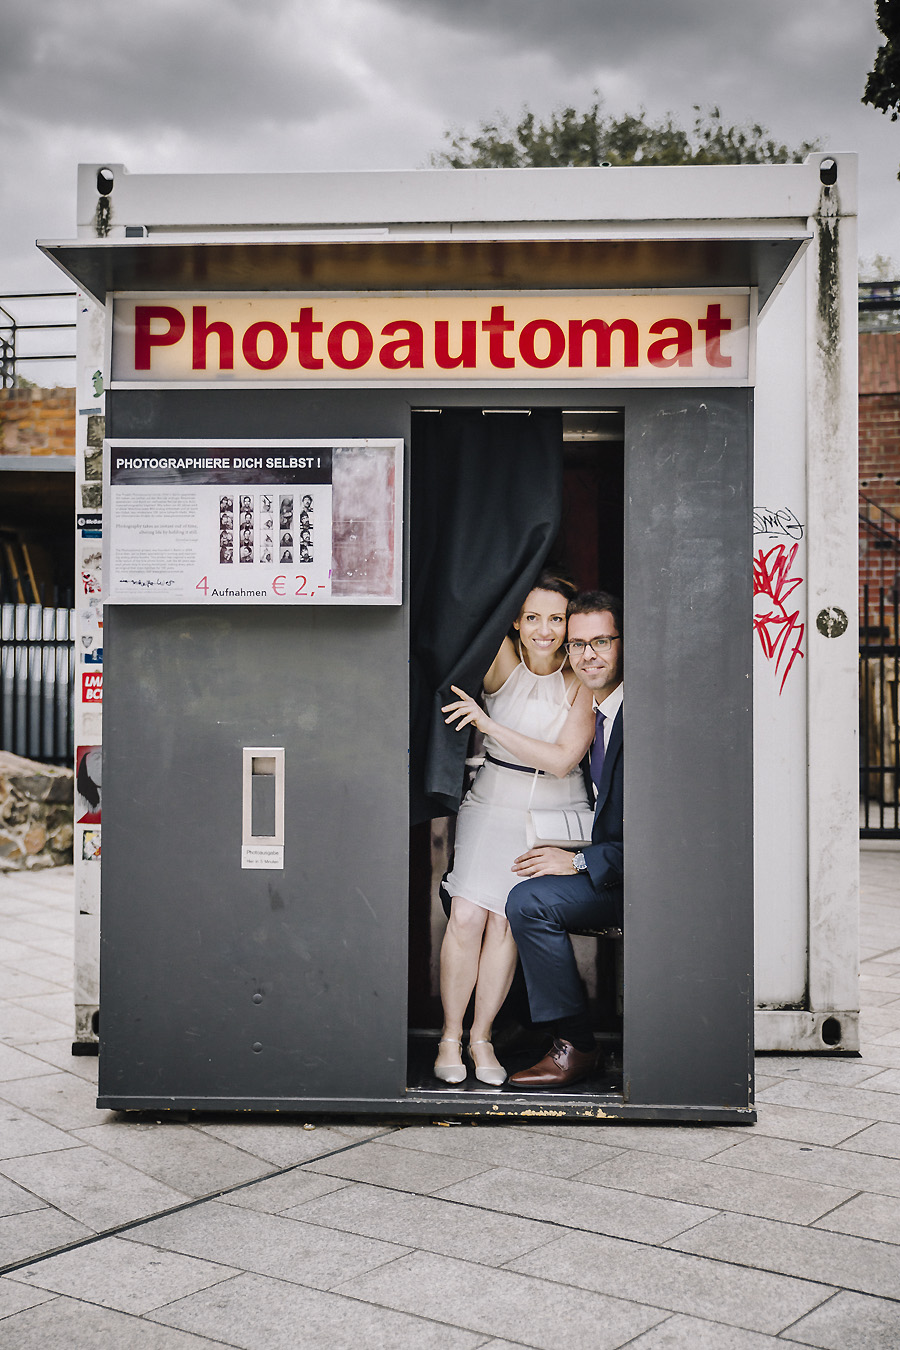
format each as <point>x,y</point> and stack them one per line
<point>252,522</point>
<point>435,339</point>
<point>262,857</point>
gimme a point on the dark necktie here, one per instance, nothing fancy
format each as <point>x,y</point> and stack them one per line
<point>598,749</point>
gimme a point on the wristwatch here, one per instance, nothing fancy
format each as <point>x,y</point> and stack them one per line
<point>579,863</point>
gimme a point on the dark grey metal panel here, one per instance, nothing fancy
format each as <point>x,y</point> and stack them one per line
<point>189,939</point>
<point>688,774</point>
<point>314,412</point>
<point>185,949</point>
<point>220,982</point>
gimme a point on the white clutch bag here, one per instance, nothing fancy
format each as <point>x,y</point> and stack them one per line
<point>558,829</point>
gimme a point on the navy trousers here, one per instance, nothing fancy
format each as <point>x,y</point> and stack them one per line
<point>541,911</point>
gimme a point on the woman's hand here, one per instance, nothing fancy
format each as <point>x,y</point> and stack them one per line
<point>466,712</point>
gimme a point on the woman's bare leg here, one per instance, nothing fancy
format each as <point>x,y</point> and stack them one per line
<point>495,972</point>
<point>460,955</point>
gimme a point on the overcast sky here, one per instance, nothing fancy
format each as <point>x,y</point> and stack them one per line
<point>199,86</point>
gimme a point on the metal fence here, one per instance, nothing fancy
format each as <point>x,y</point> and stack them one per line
<point>879,731</point>
<point>41,303</point>
<point>879,306</point>
<point>37,681</point>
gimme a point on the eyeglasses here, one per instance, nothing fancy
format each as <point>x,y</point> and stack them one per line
<point>596,645</point>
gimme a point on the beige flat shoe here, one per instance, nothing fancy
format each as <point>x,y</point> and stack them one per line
<point>451,1073</point>
<point>491,1071</point>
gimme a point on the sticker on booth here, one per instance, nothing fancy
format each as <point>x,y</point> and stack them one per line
<point>286,522</point>
<point>90,524</point>
<point>88,784</point>
<point>92,686</point>
<point>90,846</point>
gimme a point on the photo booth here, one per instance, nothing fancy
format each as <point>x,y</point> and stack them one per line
<point>347,417</point>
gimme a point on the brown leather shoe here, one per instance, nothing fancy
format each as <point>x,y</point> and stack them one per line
<point>562,1065</point>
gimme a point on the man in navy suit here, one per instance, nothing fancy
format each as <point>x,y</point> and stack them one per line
<point>562,890</point>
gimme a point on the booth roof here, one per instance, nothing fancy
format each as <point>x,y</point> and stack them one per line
<point>449,263</point>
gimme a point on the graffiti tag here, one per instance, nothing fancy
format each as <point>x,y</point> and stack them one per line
<point>777,523</point>
<point>777,625</point>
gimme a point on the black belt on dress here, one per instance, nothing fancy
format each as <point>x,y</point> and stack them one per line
<point>519,768</point>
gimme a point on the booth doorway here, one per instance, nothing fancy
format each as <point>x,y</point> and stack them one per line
<point>577,461</point>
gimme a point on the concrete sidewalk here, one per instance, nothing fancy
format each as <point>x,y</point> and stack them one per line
<point>262,1233</point>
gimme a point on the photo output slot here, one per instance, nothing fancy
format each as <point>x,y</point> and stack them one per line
<point>263,795</point>
<point>262,808</point>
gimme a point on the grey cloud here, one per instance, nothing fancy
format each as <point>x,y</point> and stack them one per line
<point>671,52</point>
<point>583,32</point>
<point>202,67</point>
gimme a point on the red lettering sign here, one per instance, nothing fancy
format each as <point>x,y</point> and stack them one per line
<point>407,351</point>
<point>200,331</point>
<point>714,326</point>
<point>364,344</point>
<point>495,327</point>
<point>468,340</point>
<point>250,345</point>
<point>682,341</point>
<point>555,340</point>
<point>306,330</point>
<point>576,337</point>
<point>145,339</point>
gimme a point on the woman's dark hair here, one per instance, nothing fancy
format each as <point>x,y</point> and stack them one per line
<point>550,579</point>
<point>597,602</point>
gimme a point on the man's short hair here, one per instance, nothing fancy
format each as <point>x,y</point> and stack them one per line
<point>597,602</point>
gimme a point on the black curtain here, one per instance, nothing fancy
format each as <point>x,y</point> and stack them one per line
<point>486,505</point>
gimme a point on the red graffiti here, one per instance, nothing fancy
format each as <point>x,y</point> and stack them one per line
<point>779,630</point>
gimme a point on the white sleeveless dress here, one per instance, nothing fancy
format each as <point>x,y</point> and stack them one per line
<point>490,828</point>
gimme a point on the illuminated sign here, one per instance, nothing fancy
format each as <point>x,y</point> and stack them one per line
<point>435,339</point>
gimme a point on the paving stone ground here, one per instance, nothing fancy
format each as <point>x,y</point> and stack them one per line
<point>226,1232</point>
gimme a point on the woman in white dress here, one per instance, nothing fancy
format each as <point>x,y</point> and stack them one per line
<point>538,717</point>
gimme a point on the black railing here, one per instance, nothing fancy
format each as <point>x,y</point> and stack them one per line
<point>11,355</point>
<point>879,731</point>
<point>880,530</point>
<point>879,306</point>
<point>37,680</point>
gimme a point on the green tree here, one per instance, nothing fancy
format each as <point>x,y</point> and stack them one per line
<point>882,89</point>
<point>883,83</point>
<point>569,138</point>
<point>880,267</point>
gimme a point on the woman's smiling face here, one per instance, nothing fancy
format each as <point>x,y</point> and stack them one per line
<point>541,624</point>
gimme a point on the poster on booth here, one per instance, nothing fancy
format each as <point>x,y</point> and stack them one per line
<point>250,522</point>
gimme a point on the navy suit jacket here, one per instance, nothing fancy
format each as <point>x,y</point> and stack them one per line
<point>605,853</point>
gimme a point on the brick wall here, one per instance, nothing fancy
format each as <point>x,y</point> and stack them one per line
<point>37,421</point>
<point>879,455</point>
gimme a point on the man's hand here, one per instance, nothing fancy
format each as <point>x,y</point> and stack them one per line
<point>545,862</point>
